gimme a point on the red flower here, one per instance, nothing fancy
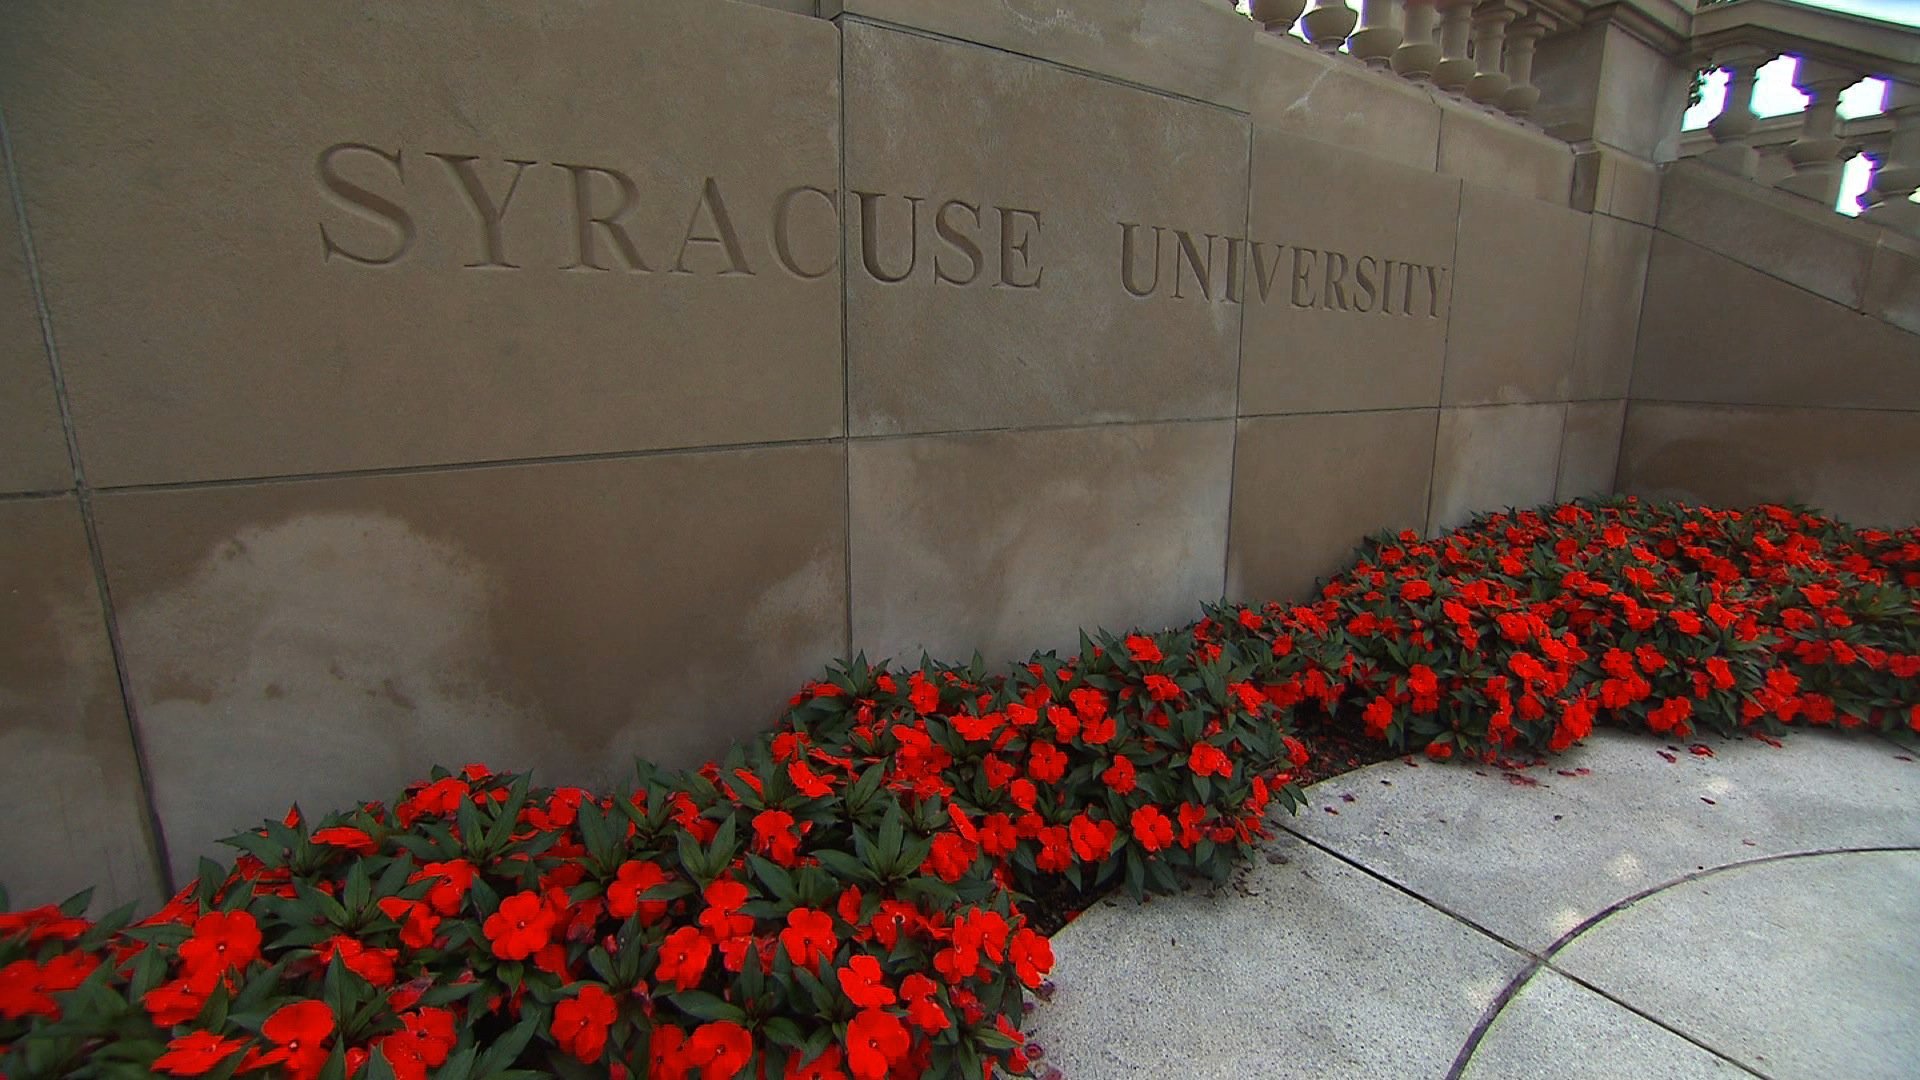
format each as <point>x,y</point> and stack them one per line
<point>824,1067</point>
<point>724,898</point>
<point>196,1053</point>
<point>923,1011</point>
<point>442,798</point>
<point>864,983</point>
<point>952,856</point>
<point>719,1050</point>
<point>1161,688</point>
<point>773,836</point>
<point>521,927</point>
<point>221,942</point>
<point>299,1033</point>
<point>418,923</point>
<point>809,937</point>
<point>373,965</point>
<point>1143,649</point>
<point>1048,764</point>
<point>1296,751</point>
<point>452,880</point>
<point>807,782</point>
<point>424,1042</point>
<point>22,995</point>
<point>1377,716</point>
<point>1152,828</point>
<point>623,893</point>
<point>1092,840</point>
<point>1032,957</point>
<point>580,1023</point>
<point>683,958</point>
<point>170,1004</point>
<point>1415,590</point>
<point>1209,760</point>
<point>1119,776</point>
<point>921,694</point>
<point>1439,751</point>
<point>875,1040</point>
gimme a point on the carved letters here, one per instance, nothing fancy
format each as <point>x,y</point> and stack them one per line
<point>952,242</point>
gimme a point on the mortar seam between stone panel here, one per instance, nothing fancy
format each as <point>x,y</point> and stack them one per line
<point>846,365</point>
<point>83,497</point>
<point>1769,275</point>
<point>1446,346</point>
<point>932,35</point>
<point>1239,380</point>
<point>38,493</point>
<point>1769,405</point>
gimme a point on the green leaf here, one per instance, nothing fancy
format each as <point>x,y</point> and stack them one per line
<point>705,1006</point>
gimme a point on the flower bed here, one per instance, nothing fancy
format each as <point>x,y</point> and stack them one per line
<point>846,897</point>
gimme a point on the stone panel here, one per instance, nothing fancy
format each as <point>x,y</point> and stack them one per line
<point>1516,299</point>
<point>1616,279</point>
<point>1492,458</point>
<point>72,804</point>
<point>1606,181</point>
<point>1019,315</point>
<point>1300,92</point>
<point>1714,330</point>
<point>1189,47</point>
<point>210,199</point>
<point>1787,237</point>
<point>1318,341</point>
<point>1856,463</point>
<point>33,448</point>
<point>1893,284</point>
<point>1307,489</point>
<point>1590,449</point>
<point>329,640</point>
<point>1499,153</point>
<point>1010,541</point>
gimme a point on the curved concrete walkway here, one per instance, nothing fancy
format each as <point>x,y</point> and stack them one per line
<point>1631,909</point>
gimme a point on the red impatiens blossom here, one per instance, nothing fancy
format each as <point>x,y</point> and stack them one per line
<point>521,926</point>
<point>1439,751</point>
<point>1143,649</point>
<point>721,918</point>
<point>807,782</point>
<point>1120,776</point>
<point>864,983</point>
<point>1209,760</point>
<point>1296,751</point>
<point>717,1050</point>
<point>22,993</point>
<point>774,836</point>
<point>632,879</point>
<point>951,856</point>
<point>196,1053</point>
<point>348,837</point>
<point>683,958</point>
<point>1092,840</point>
<point>824,1067</point>
<point>1377,717</point>
<point>924,696</point>
<point>1047,764</point>
<point>425,1040</point>
<point>1152,828</point>
<point>875,1040</point>
<point>1415,590</point>
<point>371,964</point>
<point>1032,957</point>
<point>809,937</point>
<point>170,1003</point>
<point>44,923</point>
<point>419,923</point>
<point>580,1023</point>
<point>452,879</point>
<point>917,992</point>
<point>442,798</point>
<point>1161,688</point>
<point>298,1033</point>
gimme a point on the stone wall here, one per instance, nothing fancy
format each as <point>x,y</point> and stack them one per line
<point>1779,356</point>
<point>391,384</point>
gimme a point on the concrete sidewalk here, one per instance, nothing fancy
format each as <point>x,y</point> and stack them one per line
<point>1632,909</point>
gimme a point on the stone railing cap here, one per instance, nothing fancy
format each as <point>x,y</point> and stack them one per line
<point>1870,46</point>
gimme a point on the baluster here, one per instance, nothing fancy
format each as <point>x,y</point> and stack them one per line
<point>1732,130</point>
<point>1277,16</point>
<point>1379,33</point>
<point>1329,23</point>
<point>1898,177</point>
<point>1816,153</point>
<point>1521,95</point>
<point>1489,34</point>
<point>1419,51</point>
<point>1456,23</point>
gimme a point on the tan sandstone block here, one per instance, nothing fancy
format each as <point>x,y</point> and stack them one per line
<point>1194,48</point>
<point>268,228</point>
<point>1300,92</point>
<point>329,640</point>
<point>1616,279</point>
<point>1349,280</point>
<point>1494,457</point>
<point>1011,309</point>
<point>1855,463</point>
<point>33,448</point>
<point>1493,150</point>
<point>1307,489</point>
<point>1012,541</point>
<point>1516,299</point>
<point>1782,235</point>
<point>1714,330</point>
<point>73,811</point>
<point>1893,284</point>
<point>1590,449</point>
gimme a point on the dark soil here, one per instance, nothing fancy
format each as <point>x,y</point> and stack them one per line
<point>1335,746</point>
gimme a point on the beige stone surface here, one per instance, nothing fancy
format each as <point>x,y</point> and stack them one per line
<point>1616,280</point>
<point>1516,299</point>
<point>199,208</point>
<point>1590,449</point>
<point>73,811</point>
<point>1492,458</point>
<point>1893,286</point>
<point>1607,181</point>
<point>33,448</point>
<point>1034,325</point>
<point>1715,331</point>
<point>1307,489</point>
<point>1856,463</point>
<point>1603,85</point>
<point>329,640</point>
<point>1492,149</point>
<point>1334,100</point>
<point>1783,235</point>
<point>1194,48</point>
<point>1324,217</point>
<point>1012,541</point>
